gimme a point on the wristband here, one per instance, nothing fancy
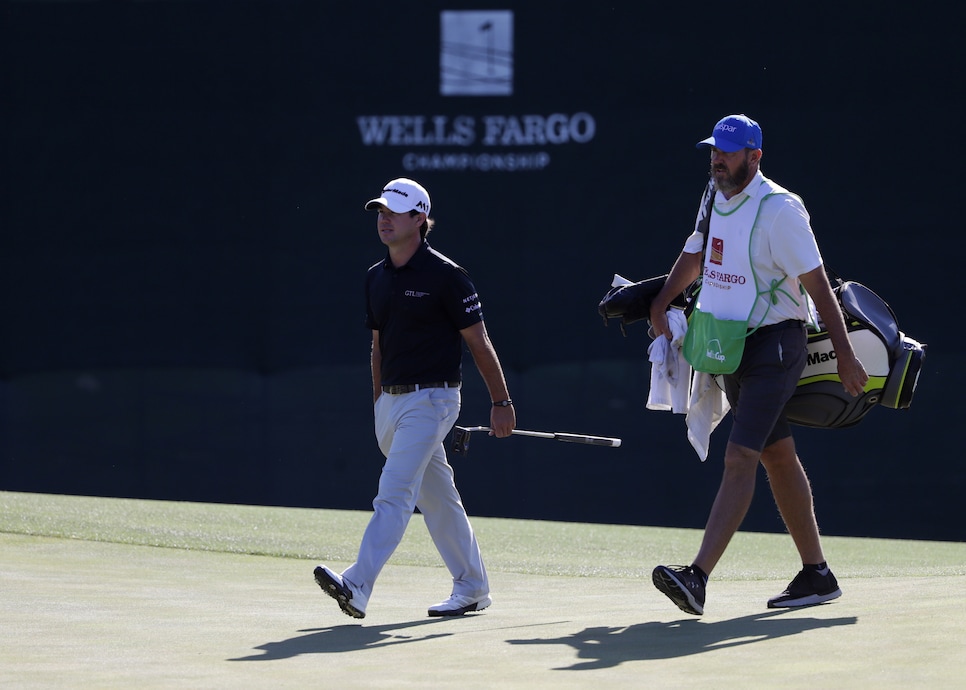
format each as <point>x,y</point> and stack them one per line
<point>503,403</point>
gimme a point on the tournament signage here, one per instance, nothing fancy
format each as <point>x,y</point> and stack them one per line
<point>520,132</point>
<point>476,59</point>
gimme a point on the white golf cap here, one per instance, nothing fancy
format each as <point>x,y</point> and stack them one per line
<point>401,195</point>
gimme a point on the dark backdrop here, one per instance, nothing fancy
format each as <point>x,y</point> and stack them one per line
<point>183,242</point>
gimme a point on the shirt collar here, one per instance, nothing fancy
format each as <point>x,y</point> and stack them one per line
<point>755,187</point>
<point>415,260</point>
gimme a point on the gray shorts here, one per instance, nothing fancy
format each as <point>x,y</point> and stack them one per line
<point>758,390</point>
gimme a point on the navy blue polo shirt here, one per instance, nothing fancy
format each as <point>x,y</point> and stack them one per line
<point>419,310</point>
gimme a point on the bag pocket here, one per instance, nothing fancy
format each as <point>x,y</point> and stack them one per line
<point>714,346</point>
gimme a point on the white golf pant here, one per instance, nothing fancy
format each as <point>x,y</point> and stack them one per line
<point>410,429</point>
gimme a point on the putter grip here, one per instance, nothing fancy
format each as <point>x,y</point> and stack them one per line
<point>590,440</point>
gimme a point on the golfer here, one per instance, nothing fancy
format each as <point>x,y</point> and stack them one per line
<point>421,307</point>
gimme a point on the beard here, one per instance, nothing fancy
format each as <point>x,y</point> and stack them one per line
<point>727,182</point>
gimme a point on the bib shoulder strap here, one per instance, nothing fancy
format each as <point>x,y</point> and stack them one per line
<point>704,212</point>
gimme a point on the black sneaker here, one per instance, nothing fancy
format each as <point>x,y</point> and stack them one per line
<point>809,587</point>
<point>682,586</point>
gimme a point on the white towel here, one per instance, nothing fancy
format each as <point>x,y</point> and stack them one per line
<point>679,389</point>
<point>709,405</point>
<point>675,387</point>
<point>670,372</point>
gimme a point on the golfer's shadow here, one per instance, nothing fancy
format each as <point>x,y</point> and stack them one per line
<point>345,638</point>
<point>606,647</point>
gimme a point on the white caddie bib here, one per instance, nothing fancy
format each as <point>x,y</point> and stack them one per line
<point>729,288</point>
<point>719,324</point>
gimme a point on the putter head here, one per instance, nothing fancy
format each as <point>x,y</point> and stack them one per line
<point>461,440</point>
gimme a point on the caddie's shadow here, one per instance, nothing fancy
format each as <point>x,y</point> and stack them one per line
<point>346,638</point>
<point>607,647</point>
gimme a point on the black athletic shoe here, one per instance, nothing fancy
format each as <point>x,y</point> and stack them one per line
<point>809,587</point>
<point>682,586</point>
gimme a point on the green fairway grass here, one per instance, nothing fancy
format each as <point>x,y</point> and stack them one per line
<point>520,546</point>
<point>106,592</point>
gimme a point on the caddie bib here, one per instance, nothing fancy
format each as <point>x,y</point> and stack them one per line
<point>728,288</point>
<point>718,325</point>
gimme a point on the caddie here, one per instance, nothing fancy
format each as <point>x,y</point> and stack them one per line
<point>756,264</point>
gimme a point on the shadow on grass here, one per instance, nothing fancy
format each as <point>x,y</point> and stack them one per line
<point>597,647</point>
<point>606,647</point>
<point>347,638</point>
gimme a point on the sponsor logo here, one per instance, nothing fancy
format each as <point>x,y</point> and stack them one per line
<point>726,128</point>
<point>476,58</point>
<point>476,53</point>
<point>415,293</point>
<point>474,303</point>
<point>714,351</point>
<point>717,250</point>
<point>727,278</point>
<point>465,130</point>
<point>421,205</point>
<point>819,357</point>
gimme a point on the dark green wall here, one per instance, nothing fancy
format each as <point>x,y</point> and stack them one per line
<point>183,243</point>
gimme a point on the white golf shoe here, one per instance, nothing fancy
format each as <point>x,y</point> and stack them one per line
<point>458,604</point>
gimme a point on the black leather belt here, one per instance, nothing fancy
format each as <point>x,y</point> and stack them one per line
<point>413,387</point>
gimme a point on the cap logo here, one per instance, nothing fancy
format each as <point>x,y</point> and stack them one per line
<point>726,128</point>
<point>418,203</point>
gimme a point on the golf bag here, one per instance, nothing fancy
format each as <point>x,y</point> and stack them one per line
<point>891,359</point>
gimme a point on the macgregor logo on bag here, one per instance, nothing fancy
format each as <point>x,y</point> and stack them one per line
<point>819,357</point>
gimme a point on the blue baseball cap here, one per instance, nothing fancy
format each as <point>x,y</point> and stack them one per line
<point>734,133</point>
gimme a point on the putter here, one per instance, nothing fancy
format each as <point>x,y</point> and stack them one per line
<point>461,438</point>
